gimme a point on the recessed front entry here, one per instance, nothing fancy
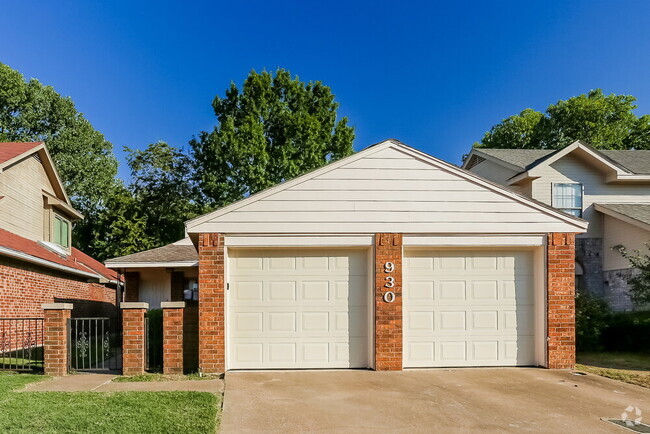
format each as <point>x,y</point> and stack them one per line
<point>469,308</point>
<point>298,308</point>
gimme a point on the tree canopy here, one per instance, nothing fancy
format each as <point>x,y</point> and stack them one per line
<point>273,129</point>
<point>30,111</point>
<point>603,121</point>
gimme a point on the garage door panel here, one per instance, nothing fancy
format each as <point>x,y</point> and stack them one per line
<point>468,308</point>
<point>292,309</point>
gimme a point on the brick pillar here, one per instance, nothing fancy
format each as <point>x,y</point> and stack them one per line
<point>133,347</point>
<point>56,338</point>
<point>173,336</point>
<point>177,283</point>
<point>212,351</point>
<point>561,301</point>
<point>132,286</point>
<point>388,314</point>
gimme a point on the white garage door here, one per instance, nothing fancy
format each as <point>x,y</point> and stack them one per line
<point>469,308</point>
<point>298,309</point>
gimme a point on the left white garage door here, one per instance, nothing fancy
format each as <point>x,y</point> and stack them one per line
<point>293,309</point>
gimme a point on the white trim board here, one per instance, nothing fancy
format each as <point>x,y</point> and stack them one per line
<point>179,264</point>
<point>299,241</point>
<point>410,240</point>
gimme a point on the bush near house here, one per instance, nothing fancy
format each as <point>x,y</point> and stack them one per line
<point>600,329</point>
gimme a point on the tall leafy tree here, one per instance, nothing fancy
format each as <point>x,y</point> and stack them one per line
<point>30,111</point>
<point>603,121</point>
<point>273,129</point>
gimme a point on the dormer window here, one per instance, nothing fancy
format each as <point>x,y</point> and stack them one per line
<point>568,198</point>
<point>61,231</point>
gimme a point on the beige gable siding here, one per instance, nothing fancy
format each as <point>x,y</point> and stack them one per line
<point>385,191</point>
<point>618,232</point>
<point>495,173</point>
<point>22,208</point>
<point>155,286</point>
<point>572,169</point>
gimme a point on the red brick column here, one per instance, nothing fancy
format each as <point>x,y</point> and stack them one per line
<point>133,346</point>
<point>561,301</point>
<point>132,286</point>
<point>55,344</point>
<point>212,350</point>
<point>388,314</point>
<point>173,336</point>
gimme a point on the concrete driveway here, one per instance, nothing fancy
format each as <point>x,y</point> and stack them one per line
<point>462,400</point>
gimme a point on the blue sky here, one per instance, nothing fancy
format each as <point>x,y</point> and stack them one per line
<point>435,75</point>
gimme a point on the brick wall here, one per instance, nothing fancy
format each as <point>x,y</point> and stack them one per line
<point>388,316</point>
<point>172,340</point>
<point>133,347</point>
<point>212,353</point>
<point>561,300</point>
<point>24,288</point>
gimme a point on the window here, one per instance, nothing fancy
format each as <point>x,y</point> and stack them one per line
<point>568,198</point>
<point>61,231</point>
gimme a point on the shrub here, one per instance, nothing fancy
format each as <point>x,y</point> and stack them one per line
<point>628,331</point>
<point>592,319</point>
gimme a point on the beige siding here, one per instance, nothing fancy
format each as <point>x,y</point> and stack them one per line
<point>619,232</point>
<point>22,208</point>
<point>386,191</point>
<point>155,286</point>
<point>572,169</point>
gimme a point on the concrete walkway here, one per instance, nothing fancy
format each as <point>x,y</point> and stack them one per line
<point>102,383</point>
<point>461,400</point>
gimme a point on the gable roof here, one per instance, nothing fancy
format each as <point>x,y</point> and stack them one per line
<point>12,153</point>
<point>32,251</point>
<point>182,253</point>
<point>388,162</point>
<point>625,163</point>
<point>637,214</point>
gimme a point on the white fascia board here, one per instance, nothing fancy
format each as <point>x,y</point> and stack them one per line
<point>177,264</point>
<point>361,240</point>
<point>416,240</point>
<point>44,262</point>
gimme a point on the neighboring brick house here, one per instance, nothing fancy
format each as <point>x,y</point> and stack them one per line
<point>608,188</point>
<point>37,261</point>
<point>387,259</point>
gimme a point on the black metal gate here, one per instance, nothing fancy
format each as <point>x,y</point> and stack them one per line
<point>21,344</point>
<point>94,345</point>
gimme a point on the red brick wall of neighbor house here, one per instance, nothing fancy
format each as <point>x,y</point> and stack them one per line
<point>212,326</point>
<point>561,301</point>
<point>23,289</point>
<point>388,316</point>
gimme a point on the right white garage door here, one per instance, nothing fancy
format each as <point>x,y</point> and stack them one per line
<point>469,308</point>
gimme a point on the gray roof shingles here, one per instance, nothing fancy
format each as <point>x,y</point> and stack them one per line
<point>168,253</point>
<point>636,211</point>
<point>636,161</point>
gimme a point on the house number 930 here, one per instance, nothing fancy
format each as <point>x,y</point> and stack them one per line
<point>389,296</point>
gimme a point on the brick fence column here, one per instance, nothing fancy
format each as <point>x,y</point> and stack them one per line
<point>55,345</point>
<point>561,301</point>
<point>133,345</point>
<point>212,350</point>
<point>388,314</point>
<point>173,336</point>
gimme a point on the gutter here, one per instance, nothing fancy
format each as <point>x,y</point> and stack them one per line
<point>44,262</point>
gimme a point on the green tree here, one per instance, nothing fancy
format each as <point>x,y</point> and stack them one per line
<point>640,280</point>
<point>162,185</point>
<point>274,129</point>
<point>603,121</point>
<point>30,111</point>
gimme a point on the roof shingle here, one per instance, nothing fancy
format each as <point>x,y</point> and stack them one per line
<point>636,211</point>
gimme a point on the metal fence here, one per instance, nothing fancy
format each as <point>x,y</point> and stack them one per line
<point>21,344</point>
<point>93,345</point>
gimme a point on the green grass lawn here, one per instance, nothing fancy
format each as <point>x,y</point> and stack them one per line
<point>633,368</point>
<point>123,412</point>
<point>154,377</point>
